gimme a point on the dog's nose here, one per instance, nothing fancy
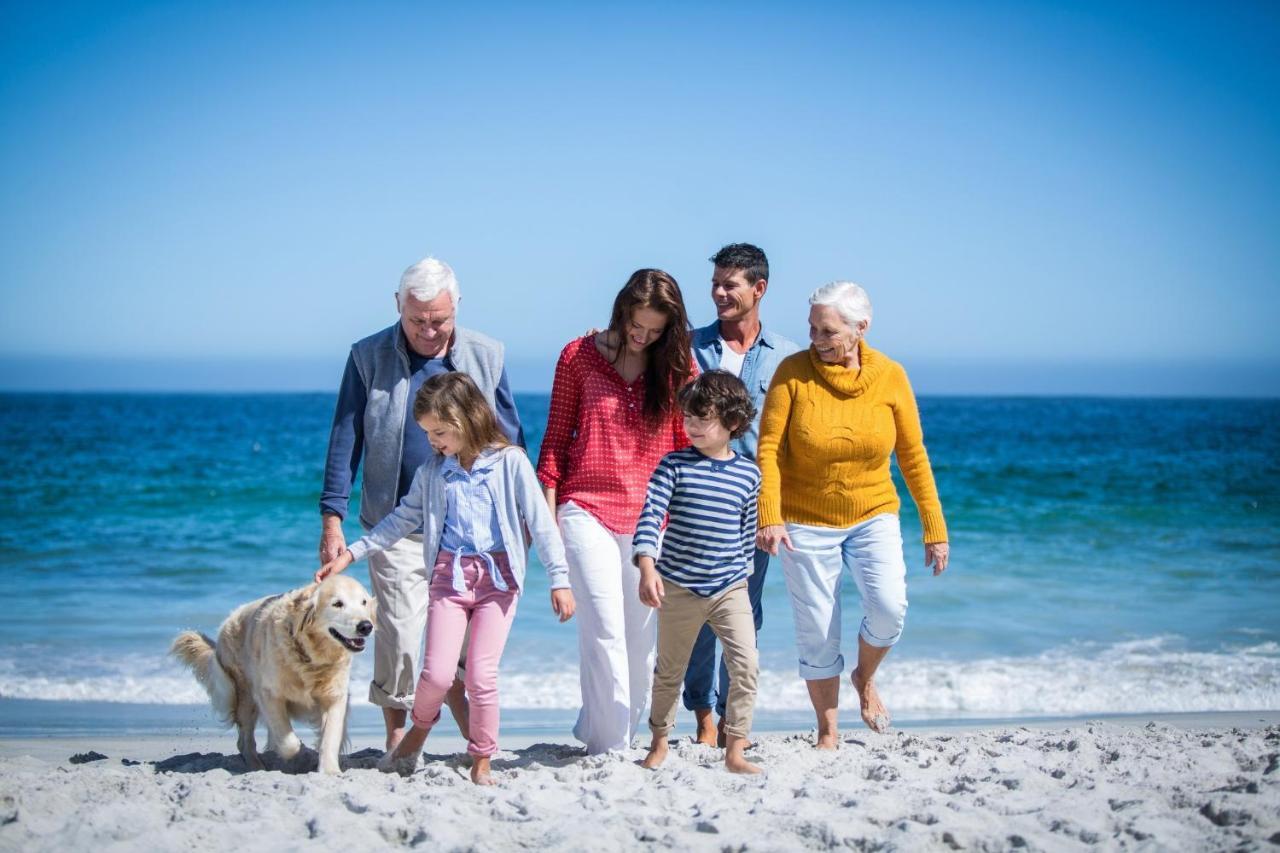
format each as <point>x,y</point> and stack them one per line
<point>365,628</point>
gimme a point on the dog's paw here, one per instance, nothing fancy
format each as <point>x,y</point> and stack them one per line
<point>390,763</point>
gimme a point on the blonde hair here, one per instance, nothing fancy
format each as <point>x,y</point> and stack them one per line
<point>455,399</point>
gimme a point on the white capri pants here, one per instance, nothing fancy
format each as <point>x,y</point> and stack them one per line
<point>617,634</point>
<point>814,572</point>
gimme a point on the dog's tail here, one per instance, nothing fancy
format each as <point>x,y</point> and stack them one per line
<point>200,653</point>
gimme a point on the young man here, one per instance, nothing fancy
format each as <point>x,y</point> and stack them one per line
<point>738,343</point>
<point>697,578</point>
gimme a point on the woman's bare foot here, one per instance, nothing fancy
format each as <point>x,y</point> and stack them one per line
<point>456,699</point>
<point>874,713</point>
<point>706,727</point>
<point>404,758</point>
<point>734,760</point>
<point>480,770</point>
<point>657,754</point>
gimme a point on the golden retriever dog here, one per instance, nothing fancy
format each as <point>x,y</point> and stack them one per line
<point>285,657</point>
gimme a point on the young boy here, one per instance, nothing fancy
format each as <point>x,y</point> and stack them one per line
<point>709,493</point>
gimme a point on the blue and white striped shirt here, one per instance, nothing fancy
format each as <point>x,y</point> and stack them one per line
<point>711,534</point>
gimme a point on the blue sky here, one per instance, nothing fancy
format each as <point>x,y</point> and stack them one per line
<point>1040,198</point>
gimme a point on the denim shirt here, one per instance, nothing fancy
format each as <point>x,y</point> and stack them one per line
<point>758,366</point>
<point>471,517</point>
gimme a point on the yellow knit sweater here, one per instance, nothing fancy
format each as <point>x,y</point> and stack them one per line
<point>825,439</point>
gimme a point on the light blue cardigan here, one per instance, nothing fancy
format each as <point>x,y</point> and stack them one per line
<point>517,497</point>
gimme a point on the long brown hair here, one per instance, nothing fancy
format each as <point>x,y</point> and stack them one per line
<point>456,400</point>
<point>669,365</point>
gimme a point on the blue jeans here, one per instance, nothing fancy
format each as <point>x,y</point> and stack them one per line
<point>700,691</point>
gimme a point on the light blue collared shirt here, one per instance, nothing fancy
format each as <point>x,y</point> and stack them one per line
<point>471,519</point>
<point>758,366</point>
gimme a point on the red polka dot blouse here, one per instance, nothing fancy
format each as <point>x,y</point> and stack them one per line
<point>598,450</point>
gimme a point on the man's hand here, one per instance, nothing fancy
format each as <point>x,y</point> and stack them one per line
<point>651,591</point>
<point>768,538</point>
<point>334,566</point>
<point>937,554</point>
<point>562,603</point>
<point>332,540</point>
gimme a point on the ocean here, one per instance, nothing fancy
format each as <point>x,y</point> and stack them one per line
<point>1109,556</point>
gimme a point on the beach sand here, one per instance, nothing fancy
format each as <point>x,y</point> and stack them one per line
<point>1189,782</point>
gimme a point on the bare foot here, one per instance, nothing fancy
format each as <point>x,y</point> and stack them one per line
<point>720,741</point>
<point>397,722</point>
<point>874,713</point>
<point>734,760</point>
<point>827,740</point>
<point>657,754</point>
<point>706,728</point>
<point>404,758</point>
<point>480,770</point>
<point>456,699</point>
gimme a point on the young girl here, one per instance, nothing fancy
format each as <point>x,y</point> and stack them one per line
<point>613,416</point>
<point>470,500</point>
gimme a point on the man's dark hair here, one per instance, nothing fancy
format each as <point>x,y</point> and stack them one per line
<point>746,257</point>
<point>719,394</point>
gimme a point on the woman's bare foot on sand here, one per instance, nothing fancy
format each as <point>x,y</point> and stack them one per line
<point>706,727</point>
<point>874,713</point>
<point>657,754</point>
<point>734,760</point>
<point>480,770</point>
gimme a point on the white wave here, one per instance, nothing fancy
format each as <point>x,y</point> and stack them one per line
<point>1147,675</point>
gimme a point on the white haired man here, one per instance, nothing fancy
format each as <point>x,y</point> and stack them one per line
<point>373,421</point>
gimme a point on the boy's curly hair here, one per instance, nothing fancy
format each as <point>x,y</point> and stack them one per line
<point>719,393</point>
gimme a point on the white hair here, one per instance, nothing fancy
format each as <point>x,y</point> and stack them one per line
<point>850,301</point>
<point>427,279</point>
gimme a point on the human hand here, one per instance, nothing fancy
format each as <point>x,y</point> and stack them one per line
<point>651,590</point>
<point>562,603</point>
<point>937,554</point>
<point>334,566</point>
<point>768,538</point>
<point>332,540</point>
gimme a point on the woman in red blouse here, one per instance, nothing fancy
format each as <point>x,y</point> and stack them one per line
<point>613,417</point>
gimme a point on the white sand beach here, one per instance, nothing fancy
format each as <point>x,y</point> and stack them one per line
<point>1190,782</point>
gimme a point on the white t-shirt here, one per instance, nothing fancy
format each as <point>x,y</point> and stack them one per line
<point>730,360</point>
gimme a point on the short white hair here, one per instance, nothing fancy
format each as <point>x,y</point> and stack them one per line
<point>850,301</point>
<point>427,279</point>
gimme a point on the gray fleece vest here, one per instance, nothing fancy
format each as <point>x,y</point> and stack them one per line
<point>383,364</point>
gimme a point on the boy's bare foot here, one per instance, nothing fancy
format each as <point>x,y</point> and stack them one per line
<point>706,728</point>
<point>827,740</point>
<point>657,754</point>
<point>734,760</point>
<point>397,722</point>
<point>456,699</point>
<point>404,758</point>
<point>480,770</point>
<point>874,713</point>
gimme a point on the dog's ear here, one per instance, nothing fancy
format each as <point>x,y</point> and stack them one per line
<point>305,604</point>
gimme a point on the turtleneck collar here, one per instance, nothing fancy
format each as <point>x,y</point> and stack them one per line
<point>846,380</point>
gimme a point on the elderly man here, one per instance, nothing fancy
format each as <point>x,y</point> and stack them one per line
<point>374,420</point>
<point>738,343</point>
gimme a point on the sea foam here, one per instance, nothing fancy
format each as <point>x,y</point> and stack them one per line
<point>1149,675</point>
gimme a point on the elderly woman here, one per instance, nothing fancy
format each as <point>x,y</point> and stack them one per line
<point>831,418</point>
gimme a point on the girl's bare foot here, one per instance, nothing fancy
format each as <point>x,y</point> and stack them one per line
<point>480,770</point>
<point>657,754</point>
<point>706,727</point>
<point>734,760</point>
<point>874,713</point>
<point>404,758</point>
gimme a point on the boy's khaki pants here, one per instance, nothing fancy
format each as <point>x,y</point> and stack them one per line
<point>680,618</point>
